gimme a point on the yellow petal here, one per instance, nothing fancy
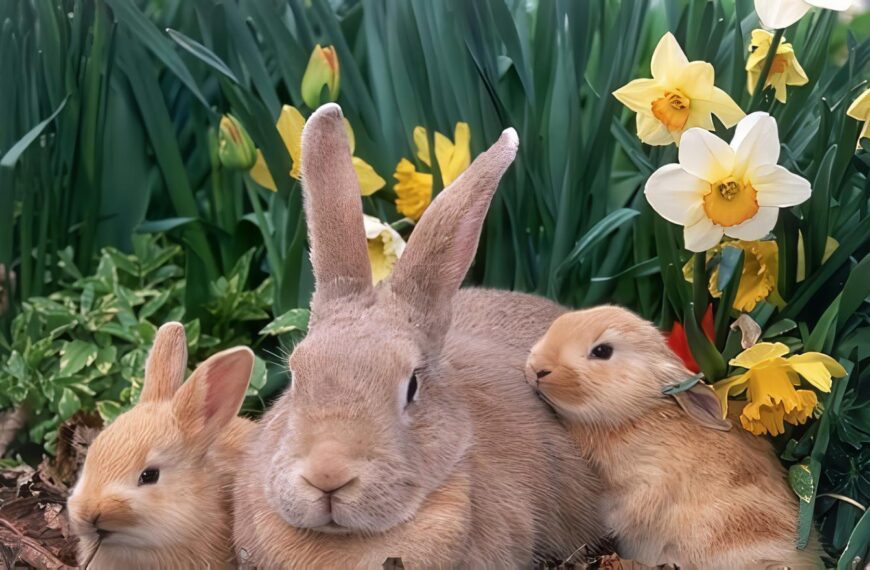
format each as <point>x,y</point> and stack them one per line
<point>351,140</point>
<point>651,131</point>
<point>421,140</point>
<point>759,353</point>
<point>695,79</point>
<point>817,369</point>
<point>460,156</point>
<point>413,190</point>
<point>290,125</point>
<point>724,107</point>
<point>639,94</point>
<point>369,181</point>
<point>860,107</point>
<point>729,387</point>
<point>667,59</point>
<point>261,175</point>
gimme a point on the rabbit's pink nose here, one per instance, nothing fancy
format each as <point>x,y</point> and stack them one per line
<point>328,468</point>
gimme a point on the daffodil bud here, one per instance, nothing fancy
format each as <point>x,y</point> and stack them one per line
<point>322,71</point>
<point>236,150</point>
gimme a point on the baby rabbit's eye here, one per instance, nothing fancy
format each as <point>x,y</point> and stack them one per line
<point>149,476</point>
<point>412,388</point>
<point>602,351</point>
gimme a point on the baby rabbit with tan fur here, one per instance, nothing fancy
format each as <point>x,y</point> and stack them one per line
<point>680,485</point>
<point>408,430</point>
<point>155,490</point>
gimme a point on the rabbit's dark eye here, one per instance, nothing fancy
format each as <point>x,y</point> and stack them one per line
<point>149,476</point>
<point>602,351</point>
<point>412,388</point>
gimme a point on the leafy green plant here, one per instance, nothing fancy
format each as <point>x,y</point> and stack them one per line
<point>84,346</point>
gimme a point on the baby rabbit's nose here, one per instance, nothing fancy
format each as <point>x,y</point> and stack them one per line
<point>328,483</point>
<point>328,468</point>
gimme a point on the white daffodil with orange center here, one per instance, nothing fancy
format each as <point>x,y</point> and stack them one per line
<point>785,69</point>
<point>778,14</point>
<point>385,247</point>
<point>718,189</point>
<point>679,96</point>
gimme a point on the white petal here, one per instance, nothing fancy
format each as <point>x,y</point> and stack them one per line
<point>667,58</point>
<point>702,235</point>
<point>838,5</point>
<point>675,194</point>
<point>779,14</point>
<point>777,187</point>
<point>705,155</point>
<point>756,143</point>
<point>756,227</point>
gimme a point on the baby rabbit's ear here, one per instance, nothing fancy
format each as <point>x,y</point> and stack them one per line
<point>166,364</point>
<point>443,244</point>
<point>339,253</point>
<point>702,405</point>
<point>213,394</point>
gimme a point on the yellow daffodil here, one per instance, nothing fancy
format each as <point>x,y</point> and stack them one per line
<point>290,125</point>
<point>322,71</point>
<point>413,188</point>
<point>680,95</point>
<point>778,14</point>
<point>385,247</point>
<point>860,110</point>
<point>720,189</point>
<point>784,70</point>
<point>770,383</point>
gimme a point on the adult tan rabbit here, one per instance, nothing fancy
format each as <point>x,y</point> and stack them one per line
<point>156,487</point>
<point>706,497</point>
<point>408,430</point>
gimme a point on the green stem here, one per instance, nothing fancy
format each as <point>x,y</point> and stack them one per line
<point>768,63</point>
<point>699,286</point>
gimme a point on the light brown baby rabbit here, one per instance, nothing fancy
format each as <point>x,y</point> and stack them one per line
<point>408,430</point>
<point>680,485</point>
<point>155,489</point>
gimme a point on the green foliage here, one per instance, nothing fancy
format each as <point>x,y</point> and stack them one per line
<point>84,346</point>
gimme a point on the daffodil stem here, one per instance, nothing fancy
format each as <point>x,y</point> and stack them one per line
<point>699,286</point>
<point>768,63</point>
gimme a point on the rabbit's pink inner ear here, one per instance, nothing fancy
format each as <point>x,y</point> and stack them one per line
<point>333,207</point>
<point>166,364</point>
<point>701,404</point>
<point>212,396</point>
<point>443,244</point>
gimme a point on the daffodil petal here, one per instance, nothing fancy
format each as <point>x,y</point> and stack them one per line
<point>460,154</point>
<point>290,125</point>
<point>724,107</point>
<point>815,366</point>
<point>777,187</point>
<point>756,227</point>
<point>674,193</point>
<point>729,387</point>
<point>705,155</point>
<point>667,58</point>
<point>261,175</point>
<point>838,5</point>
<point>651,131</point>
<point>755,143</point>
<point>695,80</point>
<point>639,94</point>
<point>421,140</point>
<point>369,180</point>
<point>702,235</point>
<point>778,14</point>
<point>759,353</point>
<point>860,107</point>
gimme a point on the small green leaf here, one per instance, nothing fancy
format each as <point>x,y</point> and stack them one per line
<point>109,410</point>
<point>75,356</point>
<point>68,404</point>
<point>682,386</point>
<point>292,320</point>
<point>801,480</point>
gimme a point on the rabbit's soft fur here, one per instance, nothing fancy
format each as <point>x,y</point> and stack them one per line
<point>472,470</point>
<point>675,492</point>
<point>191,434</point>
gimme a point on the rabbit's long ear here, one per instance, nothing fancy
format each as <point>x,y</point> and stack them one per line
<point>339,253</point>
<point>443,244</point>
<point>166,364</point>
<point>213,394</point>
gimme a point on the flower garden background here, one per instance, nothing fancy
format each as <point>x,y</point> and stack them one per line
<point>706,164</point>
